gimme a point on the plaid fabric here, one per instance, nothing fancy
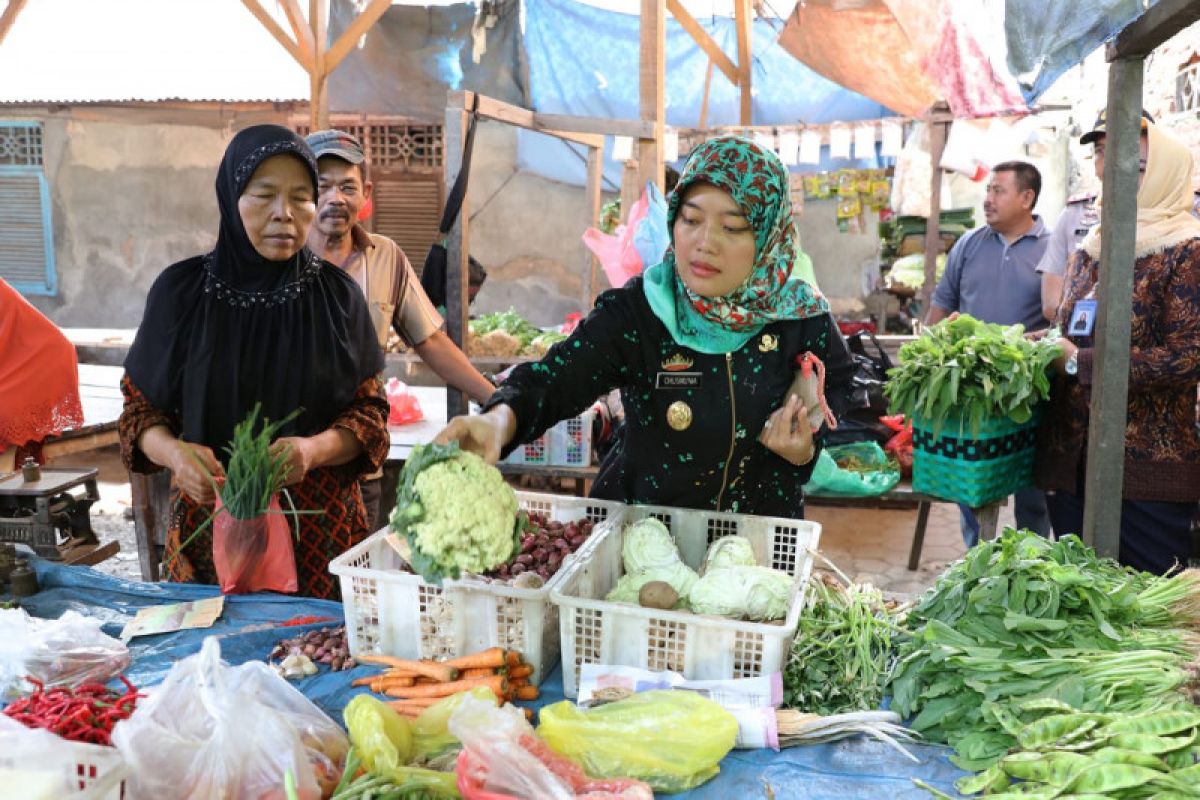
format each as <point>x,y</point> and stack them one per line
<point>331,490</point>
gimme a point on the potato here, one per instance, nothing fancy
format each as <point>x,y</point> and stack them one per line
<point>658,594</point>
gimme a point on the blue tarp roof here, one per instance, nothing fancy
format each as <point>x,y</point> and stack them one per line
<point>584,61</point>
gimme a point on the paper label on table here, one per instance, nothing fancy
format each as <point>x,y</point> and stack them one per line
<point>810,147</point>
<point>839,141</point>
<point>864,141</point>
<point>789,147</point>
<point>174,617</point>
<point>752,701</point>
<point>892,134</point>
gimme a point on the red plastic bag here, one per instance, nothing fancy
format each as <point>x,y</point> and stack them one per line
<point>900,445</point>
<point>254,555</point>
<point>404,408</point>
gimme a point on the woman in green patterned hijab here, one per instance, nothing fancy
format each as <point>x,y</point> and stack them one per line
<point>733,195</point>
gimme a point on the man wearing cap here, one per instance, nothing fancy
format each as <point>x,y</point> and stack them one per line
<point>381,268</point>
<point>1079,216</point>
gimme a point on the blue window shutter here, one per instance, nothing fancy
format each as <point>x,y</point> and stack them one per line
<point>26,234</point>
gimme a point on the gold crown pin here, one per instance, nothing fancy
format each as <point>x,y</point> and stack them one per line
<point>677,363</point>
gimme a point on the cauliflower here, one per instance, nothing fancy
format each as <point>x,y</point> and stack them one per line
<point>456,511</point>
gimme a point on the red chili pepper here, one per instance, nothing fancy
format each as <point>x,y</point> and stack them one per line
<point>86,714</point>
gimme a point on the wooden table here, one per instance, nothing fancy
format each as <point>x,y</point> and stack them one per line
<point>100,393</point>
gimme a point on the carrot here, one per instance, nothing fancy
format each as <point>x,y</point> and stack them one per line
<point>415,702</point>
<point>517,683</point>
<point>493,657</point>
<point>513,659</point>
<point>523,671</point>
<point>528,713</point>
<point>370,680</point>
<point>441,672</point>
<point>477,672</point>
<point>496,683</point>
<point>526,693</point>
<point>383,684</point>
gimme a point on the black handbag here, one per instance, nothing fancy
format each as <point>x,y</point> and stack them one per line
<point>433,274</point>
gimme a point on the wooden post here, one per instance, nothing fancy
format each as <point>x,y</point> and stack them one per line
<point>651,94</point>
<point>595,178</point>
<point>745,34</point>
<point>933,225</point>
<point>704,100</point>
<point>457,243</point>
<point>10,16</point>
<point>1110,366</point>
<point>319,75</point>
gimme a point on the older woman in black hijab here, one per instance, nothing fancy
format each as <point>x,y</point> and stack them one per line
<point>260,319</point>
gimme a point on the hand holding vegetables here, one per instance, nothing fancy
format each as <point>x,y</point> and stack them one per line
<point>788,434</point>
<point>194,467</point>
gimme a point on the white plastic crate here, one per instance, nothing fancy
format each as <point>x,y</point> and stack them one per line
<point>701,647</point>
<point>389,612</point>
<point>567,444</point>
<point>96,771</point>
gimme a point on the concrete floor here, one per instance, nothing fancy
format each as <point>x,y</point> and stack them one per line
<point>868,546</point>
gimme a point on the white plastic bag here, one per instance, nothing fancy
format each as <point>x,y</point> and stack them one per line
<point>66,651</point>
<point>36,764</point>
<point>215,732</point>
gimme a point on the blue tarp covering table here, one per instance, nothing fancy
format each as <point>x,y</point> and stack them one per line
<point>252,624</point>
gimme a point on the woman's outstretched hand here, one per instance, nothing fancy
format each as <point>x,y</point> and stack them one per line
<point>482,434</point>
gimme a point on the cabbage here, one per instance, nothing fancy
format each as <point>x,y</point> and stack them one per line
<point>680,576</point>
<point>757,593</point>
<point>729,551</point>
<point>648,545</point>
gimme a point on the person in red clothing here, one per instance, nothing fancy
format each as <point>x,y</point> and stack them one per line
<point>39,380</point>
<point>1162,446</point>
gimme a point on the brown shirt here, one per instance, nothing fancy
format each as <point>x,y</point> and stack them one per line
<point>393,292</point>
<point>1162,447</point>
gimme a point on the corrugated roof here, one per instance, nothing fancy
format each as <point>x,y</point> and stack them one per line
<point>89,51</point>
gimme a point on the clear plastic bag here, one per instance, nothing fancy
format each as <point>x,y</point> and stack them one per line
<point>503,759</point>
<point>671,740</point>
<point>215,732</point>
<point>66,651</point>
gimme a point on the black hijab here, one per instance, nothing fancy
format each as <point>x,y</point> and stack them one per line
<point>229,329</point>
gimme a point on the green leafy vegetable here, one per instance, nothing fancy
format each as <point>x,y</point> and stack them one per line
<point>254,475</point>
<point>968,370</point>
<point>843,646</point>
<point>1025,619</point>
<point>508,321</point>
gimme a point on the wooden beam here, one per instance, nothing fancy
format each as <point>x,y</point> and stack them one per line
<point>595,179</point>
<point>587,131</point>
<point>319,105</point>
<point>10,16</point>
<point>704,100</point>
<point>651,91</point>
<point>933,223</point>
<point>745,18</point>
<point>301,30</point>
<point>349,38</point>
<point>1110,364</point>
<point>633,128</point>
<point>1156,25</point>
<point>278,33</point>
<point>715,54</point>
<point>585,139</point>
<point>457,248</point>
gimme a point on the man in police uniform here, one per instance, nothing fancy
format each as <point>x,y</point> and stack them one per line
<point>1074,223</point>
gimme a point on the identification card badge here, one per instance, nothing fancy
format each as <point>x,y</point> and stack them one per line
<point>1083,318</point>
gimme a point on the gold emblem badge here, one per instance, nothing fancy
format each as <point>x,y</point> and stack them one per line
<point>769,343</point>
<point>677,363</point>
<point>679,416</point>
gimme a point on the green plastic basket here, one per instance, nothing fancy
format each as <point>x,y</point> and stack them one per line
<point>973,467</point>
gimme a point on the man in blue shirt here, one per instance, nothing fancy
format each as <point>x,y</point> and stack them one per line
<point>991,274</point>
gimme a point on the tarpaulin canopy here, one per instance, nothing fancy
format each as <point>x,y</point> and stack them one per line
<point>982,57</point>
<point>584,61</point>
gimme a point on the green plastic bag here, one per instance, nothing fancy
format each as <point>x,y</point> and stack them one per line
<point>671,740</point>
<point>830,479</point>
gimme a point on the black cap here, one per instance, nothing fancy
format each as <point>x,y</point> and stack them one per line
<point>336,143</point>
<point>1099,130</point>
